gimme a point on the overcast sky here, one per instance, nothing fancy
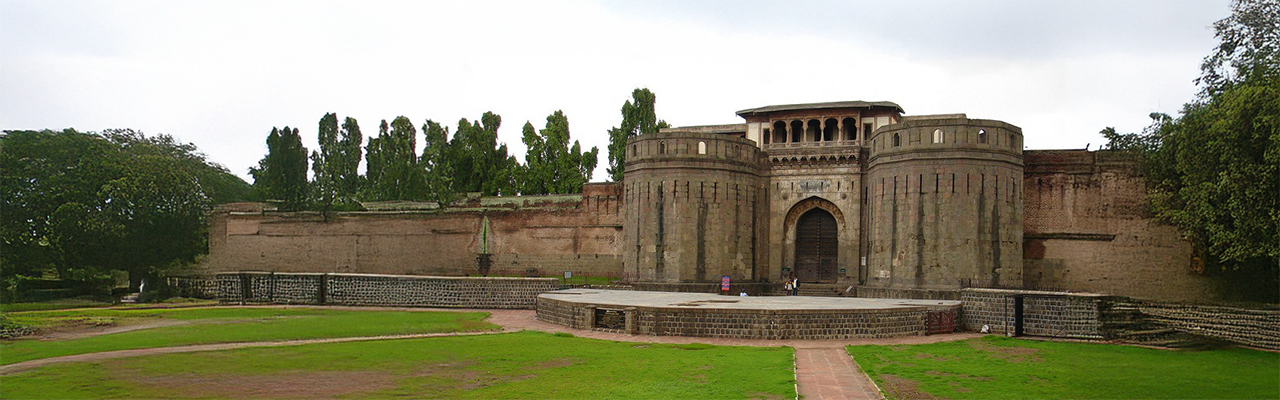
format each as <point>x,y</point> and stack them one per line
<point>221,74</point>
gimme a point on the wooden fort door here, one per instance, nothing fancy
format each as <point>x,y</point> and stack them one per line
<point>816,247</point>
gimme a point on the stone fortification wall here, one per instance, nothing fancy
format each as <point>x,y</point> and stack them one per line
<point>691,214</point>
<point>944,204</point>
<point>1049,314</point>
<point>1088,228</point>
<point>526,235</point>
<point>372,290</point>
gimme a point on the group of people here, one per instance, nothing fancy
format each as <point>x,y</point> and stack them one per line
<point>792,286</point>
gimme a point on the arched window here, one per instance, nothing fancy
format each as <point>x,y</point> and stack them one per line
<point>897,140</point>
<point>702,147</point>
<point>937,136</point>
<point>767,136</point>
<point>982,136</point>
<point>662,147</point>
<point>1013,141</point>
<point>633,149</point>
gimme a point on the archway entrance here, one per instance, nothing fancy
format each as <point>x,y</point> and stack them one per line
<point>817,250</point>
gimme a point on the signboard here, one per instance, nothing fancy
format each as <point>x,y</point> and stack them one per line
<point>568,274</point>
<point>724,283</point>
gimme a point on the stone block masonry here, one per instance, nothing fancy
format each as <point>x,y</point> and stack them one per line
<point>1100,317</point>
<point>1251,327</point>
<point>373,290</point>
<point>1048,314</point>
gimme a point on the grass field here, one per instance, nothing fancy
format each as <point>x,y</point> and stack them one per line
<point>515,365</point>
<point>995,367</point>
<point>175,327</point>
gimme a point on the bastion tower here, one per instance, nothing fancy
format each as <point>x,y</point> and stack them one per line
<point>944,207</point>
<point>693,200</point>
<point>843,193</point>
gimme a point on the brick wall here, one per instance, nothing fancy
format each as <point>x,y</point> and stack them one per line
<point>544,234</point>
<point>374,290</point>
<point>1087,228</point>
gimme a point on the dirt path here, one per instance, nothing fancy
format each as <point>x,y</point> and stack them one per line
<point>91,331</point>
<point>823,369</point>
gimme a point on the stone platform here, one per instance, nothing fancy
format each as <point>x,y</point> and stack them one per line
<point>760,317</point>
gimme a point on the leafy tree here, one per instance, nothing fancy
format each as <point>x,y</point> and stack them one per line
<point>336,163</point>
<point>551,165</point>
<point>638,118</point>
<point>392,171</point>
<point>85,203</point>
<point>435,163</point>
<point>1213,170</point>
<point>281,175</point>
<point>478,162</point>
<point>1249,50</point>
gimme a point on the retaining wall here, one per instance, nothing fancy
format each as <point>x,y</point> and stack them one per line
<point>751,323</point>
<point>369,290</point>
<point>1051,314</point>
<point>1250,327</point>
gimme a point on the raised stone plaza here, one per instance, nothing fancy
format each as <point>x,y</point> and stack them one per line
<point>763,317</point>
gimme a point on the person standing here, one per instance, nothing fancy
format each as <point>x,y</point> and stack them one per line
<point>795,285</point>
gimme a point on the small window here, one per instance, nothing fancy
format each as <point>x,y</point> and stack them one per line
<point>937,136</point>
<point>982,136</point>
<point>702,147</point>
<point>1013,141</point>
<point>633,149</point>
<point>897,140</point>
<point>662,147</point>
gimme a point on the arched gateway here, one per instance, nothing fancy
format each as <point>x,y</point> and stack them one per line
<point>813,228</point>
<point>817,246</point>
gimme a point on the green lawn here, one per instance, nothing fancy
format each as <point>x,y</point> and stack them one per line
<point>223,325</point>
<point>996,367</point>
<point>515,365</point>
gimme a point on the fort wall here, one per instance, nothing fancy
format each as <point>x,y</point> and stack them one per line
<point>530,235</point>
<point>1088,228</point>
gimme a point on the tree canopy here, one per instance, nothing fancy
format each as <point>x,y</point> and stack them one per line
<point>551,165</point>
<point>478,162</point>
<point>638,118</point>
<point>1212,171</point>
<point>337,162</point>
<point>281,175</point>
<point>392,171</point>
<point>85,203</point>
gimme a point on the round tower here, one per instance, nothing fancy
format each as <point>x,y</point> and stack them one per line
<point>945,204</point>
<point>691,202</point>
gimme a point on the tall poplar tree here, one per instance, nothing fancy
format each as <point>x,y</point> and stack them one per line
<point>551,164</point>
<point>392,171</point>
<point>282,174</point>
<point>638,118</point>
<point>479,163</point>
<point>437,170</point>
<point>336,163</point>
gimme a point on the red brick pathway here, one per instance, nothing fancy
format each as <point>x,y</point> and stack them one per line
<point>829,373</point>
